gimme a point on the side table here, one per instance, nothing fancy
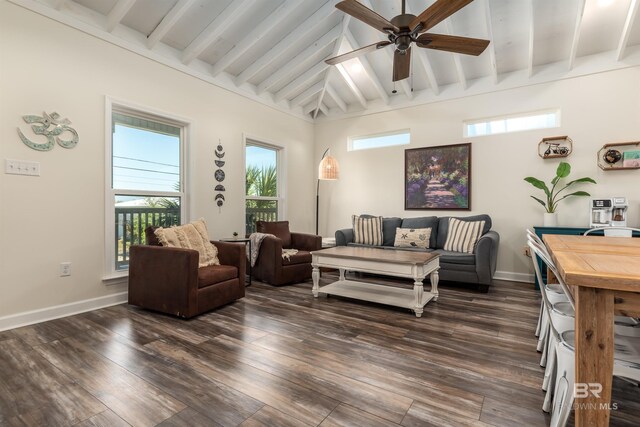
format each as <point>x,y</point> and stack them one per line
<point>247,242</point>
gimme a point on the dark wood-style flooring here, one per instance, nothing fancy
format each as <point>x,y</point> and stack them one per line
<point>279,357</point>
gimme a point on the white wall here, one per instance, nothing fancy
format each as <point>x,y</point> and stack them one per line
<point>59,216</point>
<point>596,110</point>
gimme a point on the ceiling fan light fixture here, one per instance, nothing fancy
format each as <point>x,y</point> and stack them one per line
<point>406,29</point>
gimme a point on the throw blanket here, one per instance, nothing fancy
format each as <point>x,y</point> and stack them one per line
<point>256,241</point>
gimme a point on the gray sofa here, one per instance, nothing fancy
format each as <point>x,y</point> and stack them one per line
<point>477,267</point>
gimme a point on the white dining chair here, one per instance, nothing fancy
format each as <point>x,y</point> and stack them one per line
<point>627,326</point>
<point>560,316</point>
<point>626,364</point>
<point>610,231</point>
<point>552,292</point>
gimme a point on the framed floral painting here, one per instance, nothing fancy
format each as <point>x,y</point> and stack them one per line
<point>438,177</point>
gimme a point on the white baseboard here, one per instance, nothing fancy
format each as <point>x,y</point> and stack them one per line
<point>514,277</point>
<point>42,315</point>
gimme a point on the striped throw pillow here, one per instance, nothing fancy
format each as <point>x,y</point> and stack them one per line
<point>367,231</point>
<point>463,235</point>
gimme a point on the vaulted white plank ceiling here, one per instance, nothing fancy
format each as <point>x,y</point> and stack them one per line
<point>273,51</point>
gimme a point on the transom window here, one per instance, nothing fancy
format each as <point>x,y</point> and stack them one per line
<point>387,139</point>
<point>512,123</point>
<point>147,179</point>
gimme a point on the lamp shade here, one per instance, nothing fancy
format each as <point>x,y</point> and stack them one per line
<point>328,168</point>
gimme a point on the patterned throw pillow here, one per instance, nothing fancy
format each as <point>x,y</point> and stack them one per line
<point>412,237</point>
<point>463,235</point>
<point>367,231</point>
<point>190,236</point>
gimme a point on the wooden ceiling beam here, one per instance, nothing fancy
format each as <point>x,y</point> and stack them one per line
<point>352,86</point>
<point>309,108</point>
<point>336,98</point>
<point>368,69</point>
<point>302,57</point>
<point>215,29</point>
<point>167,23</point>
<point>118,12</point>
<point>301,80</point>
<point>284,46</point>
<point>576,34</point>
<point>308,93</point>
<point>267,24</point>
<point>492,46</point>
<point>462,79</point>
<point>336,48</point>
<point>626,31</point>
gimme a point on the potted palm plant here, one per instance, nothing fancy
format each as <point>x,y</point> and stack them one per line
<point>553,195</point>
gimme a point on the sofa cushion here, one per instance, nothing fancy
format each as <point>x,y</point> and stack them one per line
<point>367,231</point>
<point>463,235</point>
<point>443,227</point>
<point>194,236</point>
<point>412,237</point>
<point>301,257</point>
<point>450,257</point>
<point>389,226</point>
<point>213,274</point>
<point>423,222</point>
<point>280,229</point>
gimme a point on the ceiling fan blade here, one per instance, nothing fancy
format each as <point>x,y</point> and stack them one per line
<point>437,12</point>
<point>366,15</point>
<point>401,65</point>
<point>457,44</point>
<point>355,53</point>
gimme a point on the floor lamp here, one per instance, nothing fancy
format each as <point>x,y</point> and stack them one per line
<point>329,170</point>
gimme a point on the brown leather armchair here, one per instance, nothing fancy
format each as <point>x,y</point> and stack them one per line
<point>270,267</point>
<point>168,280</point>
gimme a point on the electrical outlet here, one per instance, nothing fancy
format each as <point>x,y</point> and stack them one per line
<point>65,269</point>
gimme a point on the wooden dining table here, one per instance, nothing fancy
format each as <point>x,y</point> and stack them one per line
<point>604,276</point>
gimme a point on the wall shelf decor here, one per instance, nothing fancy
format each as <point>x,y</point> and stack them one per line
<point>554,147</point>
<point>51,126</point>
<point>619,156</point>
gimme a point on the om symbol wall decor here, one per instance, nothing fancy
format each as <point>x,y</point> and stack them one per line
<point>51,126</point>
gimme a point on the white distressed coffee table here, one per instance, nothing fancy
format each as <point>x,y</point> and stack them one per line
<point>413,265</point>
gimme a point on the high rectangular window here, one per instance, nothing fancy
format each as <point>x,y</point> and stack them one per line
<point>147,179</point>
<point>387,139</point>
<point>512,123</point>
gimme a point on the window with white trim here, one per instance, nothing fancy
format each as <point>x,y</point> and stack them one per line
<point>263,184</point>
<point>512,123</point>
<point>387,139</point>
<point>147,179</point>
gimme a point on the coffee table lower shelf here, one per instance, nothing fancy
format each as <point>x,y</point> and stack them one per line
<point>382,294</point>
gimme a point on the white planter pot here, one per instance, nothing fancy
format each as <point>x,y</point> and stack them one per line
<point>550,219</point>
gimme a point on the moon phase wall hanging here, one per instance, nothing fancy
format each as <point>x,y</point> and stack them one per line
<point>219,176</point>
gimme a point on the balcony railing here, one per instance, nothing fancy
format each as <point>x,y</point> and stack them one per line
<point>130,225</point>
<point>259,214</point>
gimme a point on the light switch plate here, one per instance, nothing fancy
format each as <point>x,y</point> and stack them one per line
<point>21,167</point>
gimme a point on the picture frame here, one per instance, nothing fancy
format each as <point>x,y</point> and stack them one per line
<point>438,178</point>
